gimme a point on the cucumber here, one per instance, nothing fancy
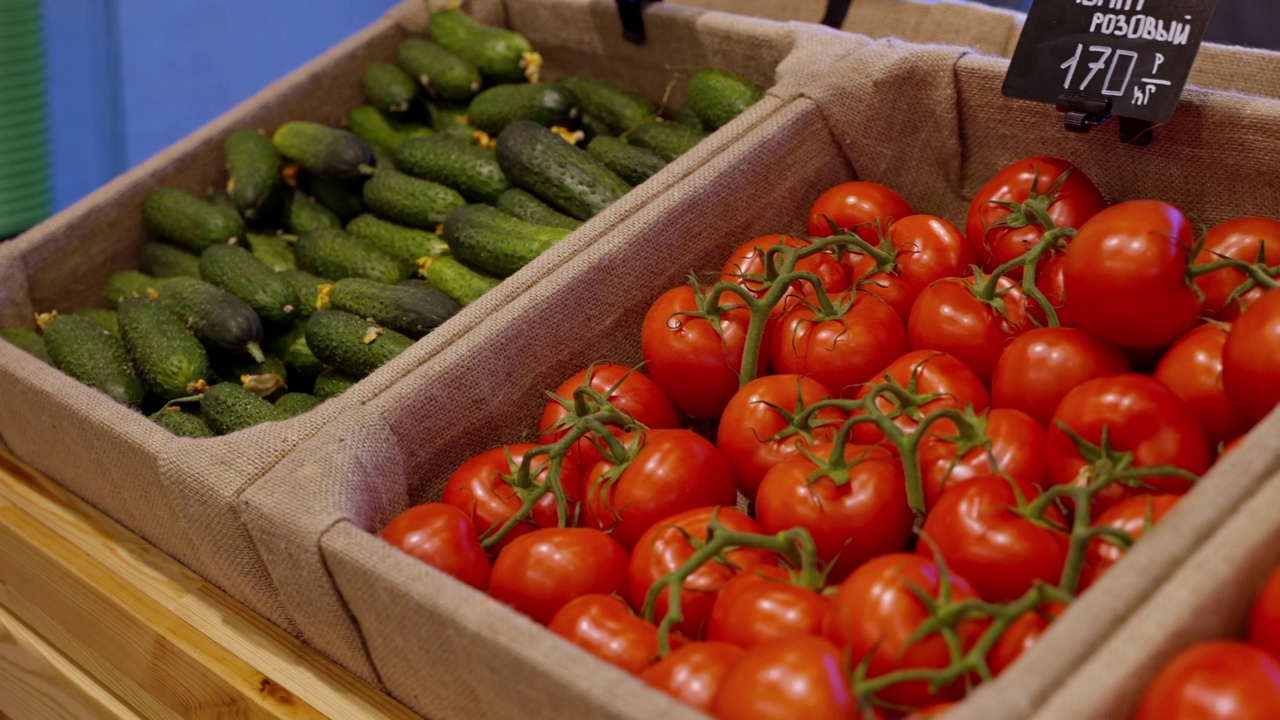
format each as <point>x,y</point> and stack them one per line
<point>409,200</point>
<point>631,163</point>
<point>222,321</point>
<point>520,204</point>
<point>294,404</point>
<point>445,116</point>
<point>301,365</point>
<point>494,242</point>
<point>336,254</point>
<point>687,116</point>
<point>407,245</point>
<point>276,251</point>
<point>184,424</point>
<point>169,359</point>
<point>162,260</point>
<point>470,170</point>
<point>301,214</point>
<point>218,196</point>
<point>351,344</point>
<point>567,178</point>
<point>130,283</point>
<point>502,56</point>
<point>307,291</point>
<point>388,88</point>
<point>456,280</point>
<point>106,318</point>
<point>82,349</point>
<point>228,407</point>
<point>260,378</point>
<point>342,198</point>
<point>410,311</point>
<point>28,341</point>
<point>718,96</point>
<point>593,127</point>
<point>443,74</point>
<point>546,104</point>
<point>186,220</point>
<point>615,106</point>
<point>237,271</point>
<point>380,129</point>
<point>668,139</point>
<point>323,150</point>
<point>253,173</point>
<point>332,383</point>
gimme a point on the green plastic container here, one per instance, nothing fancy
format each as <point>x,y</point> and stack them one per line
<point>24,155</point>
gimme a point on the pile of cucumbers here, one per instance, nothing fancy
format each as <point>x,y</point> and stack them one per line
<point>331,250</point>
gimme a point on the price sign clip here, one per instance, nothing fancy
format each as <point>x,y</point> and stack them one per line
<point>631,13</point>
<point>1083,113</point>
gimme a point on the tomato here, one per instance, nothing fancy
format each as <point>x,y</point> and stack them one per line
<point>1142,417</point>
<point>932,712</point>
<point>756,431</point>
<point>696,367</point>
<point>875,613</point>
<point>948,317</point>
<point>443,537</point>
<point>1041,366</point>
<point>668,544</point>
<point>1126,275</point>
<point>482,488</point>
<point>692,674</point>
<point>628,390</point>
<point>1016,446</point>
<point>861,206</point>
<point>978,531</point>
<point>933,373</point>
<point>1132,516</point>
<point>746,268</point>
<point>926,248</point>
<point>865,516</point>
<point>1241,239</point>
<point>1022,635</point>
<point>843,351</point>
<point>1074,202</point>
<point>541,572</point>
<point>763,604</point>
<point>1192,369</point>
<point>1250,373</point>
<point>604,626</point>
<point>1264,617</point>
<point>801,676</point>
<point>1214,680</point>
<point>672,471</point>
<point>1049,282</point>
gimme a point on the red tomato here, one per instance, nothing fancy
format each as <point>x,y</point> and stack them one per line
<point>667,545</point>
<point>481,487</point>
<point>1264,618</point>
<point>604,626</point>
<point>692,674</point>
<point>541,572</point>
<point>1143,417</point>
<point>1132,516</point>
<point>763,604</point>
<point>996,238</point>
<point>756,431</point>
<point>839,352</point>
<point>861,206</point>
<point>443,537</point>
<point>932,712</point>
<point>1126,275</point>
<point>1038,369</point>
<point>933,373</point>
<point>865,516</point>
<point>1250,373</point>
<point>629,391</point>
<point>672,471</point>
<point>1022,635</point>
<point>875,613</point>
<point>1241,239</point>
<point>746,268</point>
<point>1050,283</point>
<point>1192,369</point>
<point>978,531</point>
<point>1214,680</point>
<point>927,248</point>
<point>796,677</point>
<point>1016,446</point>
<point>696,367</point>
<point>948,317</point>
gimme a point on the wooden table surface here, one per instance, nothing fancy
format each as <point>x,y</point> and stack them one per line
<point>97,623</point>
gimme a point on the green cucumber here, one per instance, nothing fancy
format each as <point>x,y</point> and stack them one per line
<point>306,291</point>
<point>410,311</point>
<point>253,173</point>
<point>472,171</point>
<point>342,198</point>
<point>593,127</point>
<point>687,116</point>
<point>106,318</point>
<point>494,242</point>
<point>218,196</point>
<point>408,245</point>
<point>291,347</point>
<point>718,96</point>
<point>222,321</point>
<point>301,214</point>
<point>276,251</point>
<point>163,260</point>
<point>228,407</point>
<point>183,424</point>
<point>388,88</point>
<point>409,200</point>
<point>631,163</point>
<point>519,203</point>
<point>130,283</point>
<point>380,129</point>
<point>443,74</point>
<point>567,178</point>
<point>265,378</point>
<point>168,358</point>
<point>458,281</point>
<point>546,104</point>
<point>351,343</point>
<point>331,383</point>
<point>446,117</point>
<point>337,254</point>
<point>323,150</point>
<point>294,404</point>
<point>186,220</point>
<point>502,56</point>
<point>82,349</point>
<point>615,106</point>
<point>28,341</point>
<point>668,139</point>
<point>240,273</point>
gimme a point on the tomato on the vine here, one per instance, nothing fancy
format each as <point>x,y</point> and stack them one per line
<point>604,626</point>
<point>944,380</point>
<point>1192,369</point>
<point>1050,283</point>
<point>764,604</point>
<point>1022,635</point>
<point>1250,372</point>
<point>1241,239</point>
<point>1041,366</point>
<point>541,572</point>
<point>1014,441</point>
<point>802,676</point>
<point>948,317</point>
<point>746,268</point>
<point>693,673</point>
<point>863,207</point>
<point>1132,516</point>
<point>443,537</point>
<point>841,351</point>
<point>925,248</point>
<point>1264,617</point>
<point>1216,679</point>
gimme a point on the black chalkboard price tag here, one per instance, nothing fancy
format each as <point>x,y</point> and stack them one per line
<point>1097,58</point>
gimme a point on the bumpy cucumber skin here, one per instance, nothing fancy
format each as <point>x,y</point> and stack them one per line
<point>186,220</point>
<point>615,106</point>
<point>168,358</point>
<point>240,273</point>
<point>405,244</point>
<point>331,384</point>
<point>82,349</point>
<point>28,341</point>
<point>631,163</point>
<point>458,281</point>
<point>337,339</point>
<point>324,150</point>
<point>163,260</point>
<point>221,320</point>
<point>294,404</point>
<point>410,201</point>
<point>717,96</point>
<point>130,283</point>
<point>342,198</point>
<point>447,117</point>
<point>300,214</point>
<point>494,242</point>
<point>525,206</point>
<point>301,364</point>
<point>568,179</point>
<point>337,254</point>
<point>498,53</point>
<point>546,104</point>
<point>253,173</point>
<point>228,407</point>
<point>306,290</point>
<point>443,74</point>
<point>106,318</point>
<point>182,424</point>
<point>688,116</point>
<point>274,250</point>
<point>472,171</point>
<point>670,140</point>
<point>412,312</point>
<point>389,88</point>
<point>381,130</point>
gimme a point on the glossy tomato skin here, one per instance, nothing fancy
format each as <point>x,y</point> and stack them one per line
<point>747,263</point>
<point>693,673</point>
<point>860,206</point>
<point>604,626</point>
<point>673,471</point>
<point>1143,417</point>
<point>754,417</point>
<point>1250,373</point>
<point>541,572</point>
<point>1125,275</point>
<point>928,248</point>
<point>1132,516</point>
<point>1240,239</point>
<point>443,537</point>
<point>1216,679</point>
<point>1022,635</point>
<point>801,676</point>
<point>696,367</point>
<point>1076,201</point>
<point>875,612</point>
<point>935,373</point>
<point>763,604</point>
<point>1050,283</point>
<point>1192,369</point>
<point>841,352</point>
<point>627,389</point>
<point>1016,445</point>
<point>1041,366</point>
<point>1264,617</point>
<point>947,317</point>
<point>850,523</point>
